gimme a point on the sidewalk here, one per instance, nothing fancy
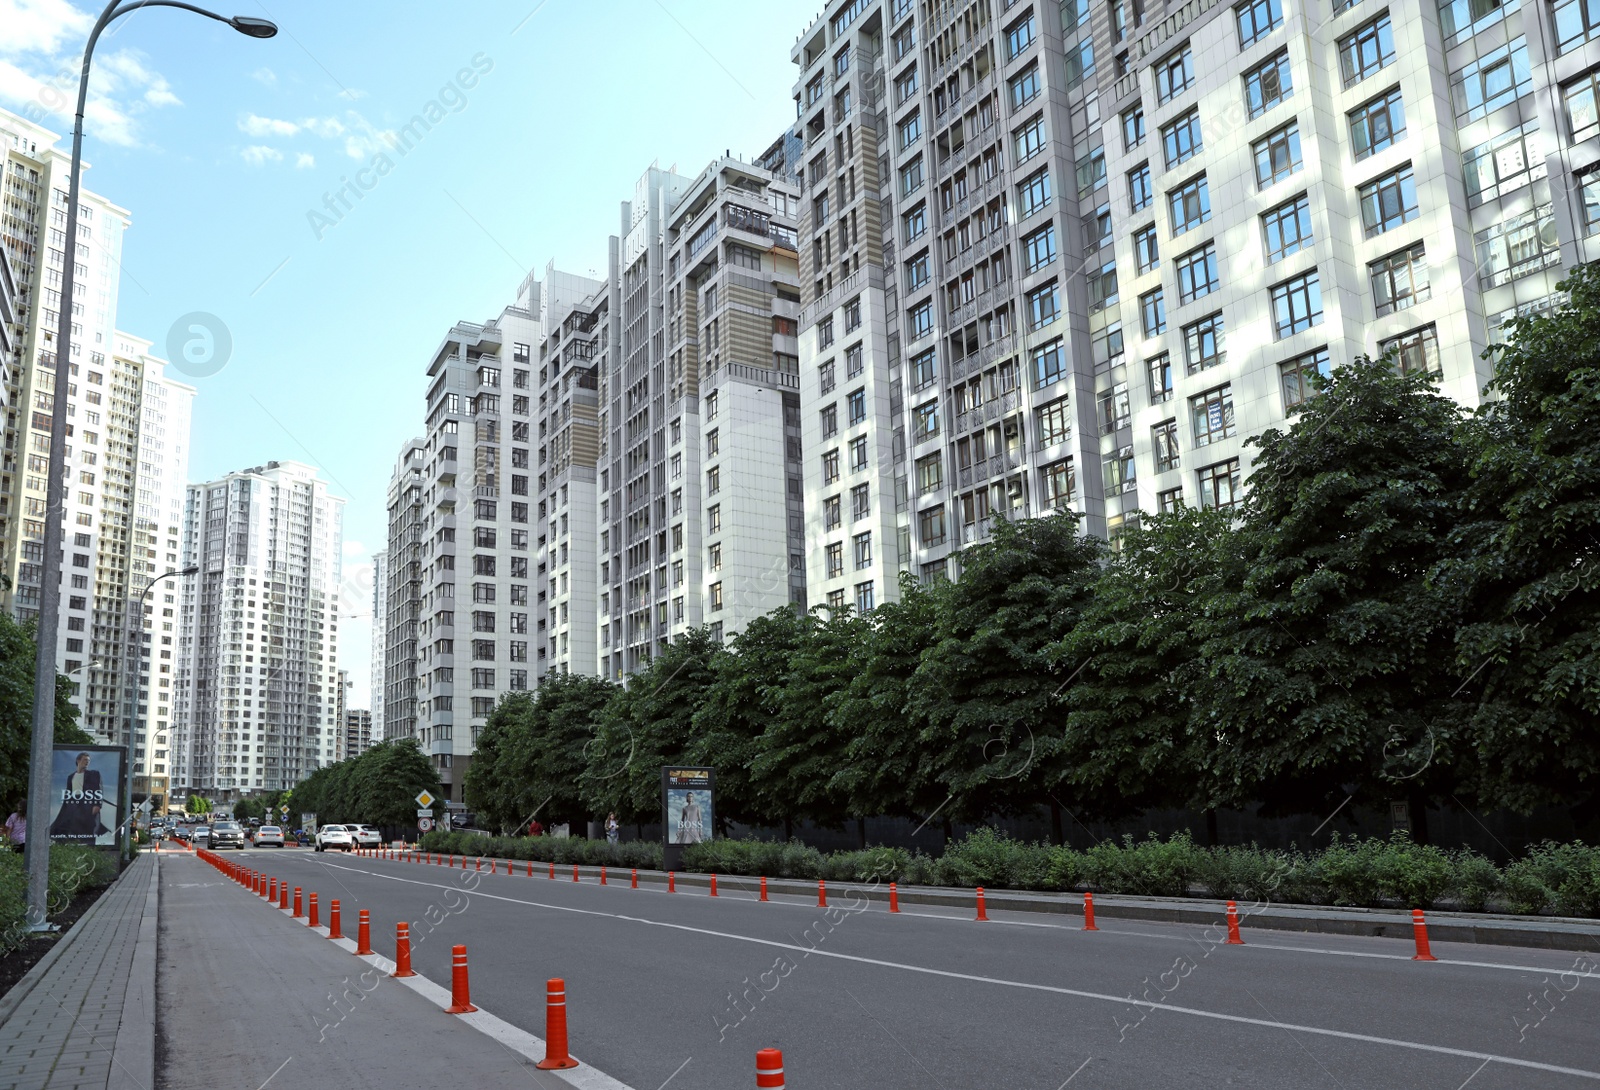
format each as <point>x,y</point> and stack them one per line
<point>82,1019</point>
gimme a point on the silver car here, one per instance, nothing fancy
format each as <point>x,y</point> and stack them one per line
<point>268,836</point>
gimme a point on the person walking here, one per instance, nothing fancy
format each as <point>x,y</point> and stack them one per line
<point>17,827</point>
<point>613,828</point>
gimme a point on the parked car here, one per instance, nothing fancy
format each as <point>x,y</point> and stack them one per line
<point>334,836</point>
<point>268,836</point>
<point>227,834</point>
<point>366,836</point>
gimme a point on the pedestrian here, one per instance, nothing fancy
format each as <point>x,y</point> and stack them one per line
<point>613,828</point>
<point>534,828</point>
<point>17,827</point>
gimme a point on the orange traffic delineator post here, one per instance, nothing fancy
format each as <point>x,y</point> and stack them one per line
<point>460,994</point>
<point>1088,912</point>
<point>713,885</point>
<point>402,950</point>
<point>672,882</point>
<point>333,920</point>
<point>283,895</point>
<point>272,890</point>
<point>602,874</point>
<point>1233,925</point>
<point>982,915</point>
<point>311,915</point>
<point>479,865</point>
<point>555,1028</point>
<point>574,872</point>
<point>822,893</point>
<point>363,933</point>
<point>530,868</point>
<point>894,898</point>
<point>508,866</point>
<point>552,870</point>
<point>763,887</point>
<point>769,1068</point>
<point>635,877</point>
<point>1419,928</point>
<point>298,914</point>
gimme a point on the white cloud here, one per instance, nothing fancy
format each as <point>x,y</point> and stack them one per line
<point>365,140</point>
<point>41,26</point>
<point>265,76</point>
<point>304,161</point>
<point>353,548</point>
<point>259,155</point>
<point>352,94</point>
<point>325,127</point>
<point>256,125</point>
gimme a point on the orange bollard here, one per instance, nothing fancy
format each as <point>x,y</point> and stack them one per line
<point>333,920</point>
<point>555,1028</point>
<point>460,994</point>
<point>769,1068</point>
<point>574,872</point>
<point>982,915</point>
<point>479,865</point>
<point>363,933</point>
<point>1088,912</point>
<point>894,898</point>
<point>530,868</point>
<point>508,866</point>
<point>298,915</point>
<point>1419,928</point>
<point>672,882</point>
<point>713,885</point>
<point>602,874</point>
<point>763,887</point>
<point>311,916</point>
<point>1233,925</point>
<point>272,890</point>
<point>822,893</point>
<point>552,870</point>
<point>283,896</point>
<point>402,950</point>
<point>635,877</point>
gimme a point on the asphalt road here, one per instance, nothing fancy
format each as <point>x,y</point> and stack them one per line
<point>681,990</point>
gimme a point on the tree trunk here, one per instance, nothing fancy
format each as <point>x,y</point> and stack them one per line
<point>949,833</point>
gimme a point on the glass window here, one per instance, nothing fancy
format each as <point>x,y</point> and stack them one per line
<point>1049,364</point>
<point>1140,194</point>
<point>1057,482</point>
<point>1203,345</point>
<point>858,453</point>
<point>1019,36</point>
<point>1169,500</point>
<point>830,466</point>
<point>1197,273</point>
<point>1043,306</point>
<point>864,597</point>
<point>1103,287</point>
<point>1257,19</point>
<point>916,222</point>
<point>1053,423</point>
<point>920,319</point>
<point>857,402</point>
<point>860,503</point>
<point>1174,74</point>
<point>1034,193</point>
<point>1591,204</point>
<point>910,130</point>
<point>1376,124</point>
<point>1268,84</point>
<point>1212,415</point>
<point>1153,312</point>
<point>1399,280</point>
<point>1114,410</point>
<point>1296,376</point>
<point>1415,350</point>
<point>1118,472</point>
<point>917,271</point>
<point>1189,205</point>
<point>1277,155</point>
<point>1367,50</point>
<point>835,555</point>
<point>1025,87</point>
<point>930,474</point>
<point>1219,485</point>
<point>862,548</point>
<point>1492,81</point>
<point>905,86</point>
<point>1029,140</point>
<point>925,421</point>
<point>1389,201</point>
<point>1296,305</point>
<point>1107,347</point>
<point>1039,249</point>
<point>1577,21</point>
<point>1287,228</point>
<point>932,524</point>
<point>1091,171</point>
<point>1461,19</point>
<point>1502,164</point>
<point>911,177</point>
<point>1182,139</point>
<point>1133,133</point>
<point>1164,440</point>
<point>1516,246</point>
<point>924,369</point>
<point>1582,102</point>
<point>1160,371</point>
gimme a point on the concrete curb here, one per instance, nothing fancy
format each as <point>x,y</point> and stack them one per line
<point>30,980</point>
<point>133,1056</point>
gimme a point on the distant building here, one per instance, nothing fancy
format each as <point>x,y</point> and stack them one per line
<point>380,611</point>
<point>358,735</point>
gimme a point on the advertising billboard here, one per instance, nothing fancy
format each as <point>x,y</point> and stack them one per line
<point>86,804</point>
<point>687,801</point>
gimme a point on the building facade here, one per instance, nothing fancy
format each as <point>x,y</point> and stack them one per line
<point>358,732</point>
<point>258,661</point>
<point>1088,249</point>
<point>380,638</point>
<point>403,595</point>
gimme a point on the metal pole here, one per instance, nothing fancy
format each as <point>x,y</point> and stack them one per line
<point>133,701</point>
<point>37,852</point>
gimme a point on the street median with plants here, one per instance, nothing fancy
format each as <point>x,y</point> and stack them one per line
<point>73,871</point>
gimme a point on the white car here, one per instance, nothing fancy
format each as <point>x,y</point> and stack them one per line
<point>268,835</point>
<point>334,836</point>
<point>366,836</point>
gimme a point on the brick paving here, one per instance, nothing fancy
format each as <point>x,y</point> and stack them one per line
<point>62,1035</point>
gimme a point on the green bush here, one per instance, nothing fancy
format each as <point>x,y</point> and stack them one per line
<point>562,851</point>
<point>1475,880</point>
<point>1416,875</point>
<point>1149,868</point>
<point>1563,877</point>
<point>73,870</point>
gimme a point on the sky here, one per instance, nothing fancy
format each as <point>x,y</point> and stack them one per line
<point>306,319</point>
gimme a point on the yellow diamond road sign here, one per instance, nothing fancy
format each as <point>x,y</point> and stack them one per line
<point>425,799</point>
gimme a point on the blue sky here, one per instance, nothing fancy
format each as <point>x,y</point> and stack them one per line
<point>222,146</point>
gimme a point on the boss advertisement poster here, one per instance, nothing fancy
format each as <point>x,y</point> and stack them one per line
<point>86,804</point>
<point>686,809</point>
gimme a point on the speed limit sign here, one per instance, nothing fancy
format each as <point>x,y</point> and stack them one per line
<point>425,824</point>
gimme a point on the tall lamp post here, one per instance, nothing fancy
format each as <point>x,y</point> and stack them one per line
<point>44,674</point>
<point>137,647</point>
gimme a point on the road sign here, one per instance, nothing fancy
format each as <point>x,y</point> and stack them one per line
<point>144,807</point>
<point>284,810</point>
<point>425,800</point>
<point>424,813</point>
<point>424,824</point>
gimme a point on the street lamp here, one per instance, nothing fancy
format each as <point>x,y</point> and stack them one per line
<point>44,672</point>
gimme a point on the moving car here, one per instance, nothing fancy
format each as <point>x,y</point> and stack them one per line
<point>227,834</point>
<point>200,835</point>
<point>334,836</point>
<point>268,836</point>
<point>366,836</point>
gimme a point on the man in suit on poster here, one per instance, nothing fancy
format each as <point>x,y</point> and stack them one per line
<point>81,799</point>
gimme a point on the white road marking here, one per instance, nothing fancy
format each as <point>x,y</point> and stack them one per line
<point>1076,993</point>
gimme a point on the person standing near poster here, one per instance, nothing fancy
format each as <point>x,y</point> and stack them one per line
<point>613,828</point>
<point>81,799</point>
<point>17,827</point>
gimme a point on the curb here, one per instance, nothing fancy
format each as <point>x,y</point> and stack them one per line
<point>30,980</point>
<point>133,1053</point>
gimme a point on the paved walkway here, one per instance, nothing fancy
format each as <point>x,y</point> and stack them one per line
<point>63,1033</point>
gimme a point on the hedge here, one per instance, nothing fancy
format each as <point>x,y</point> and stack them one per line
<point>72,871</point>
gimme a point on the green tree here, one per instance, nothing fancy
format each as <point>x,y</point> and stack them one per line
<point>197,805</point>
<point>1528,564</point>
<point>1322,646</point>
<point>17,651</point>
<point>384,782</point>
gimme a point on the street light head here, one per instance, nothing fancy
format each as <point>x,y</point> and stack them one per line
<point>190,571</point>
<point>255,28</point>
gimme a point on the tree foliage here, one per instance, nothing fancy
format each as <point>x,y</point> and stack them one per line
<point>377,788</point>
<point>17,652</point>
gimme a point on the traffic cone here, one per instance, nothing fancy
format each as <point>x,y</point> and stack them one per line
<point>822,893</point>
<point>298,915</point>
<point>672,882</point>
<point>311,919</point>
<point>1088,912</point>
<point>1419,928</point>
<point>763,887</point>
<point>460,994</point>
<point>982,915</point>
<point>402,950</point>
<point>894,898</point>
<point>713,885</point>
<point>363,933</point>
<point>555,1028</point>
<point>1233,925</point>
<point>769,1068</point>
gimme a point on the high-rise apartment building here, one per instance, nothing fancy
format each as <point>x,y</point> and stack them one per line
<point>258,662</point>
<point>403,593</point>
<point>380,645</point>
<point>358,732</point>
<point>1088,249</point>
